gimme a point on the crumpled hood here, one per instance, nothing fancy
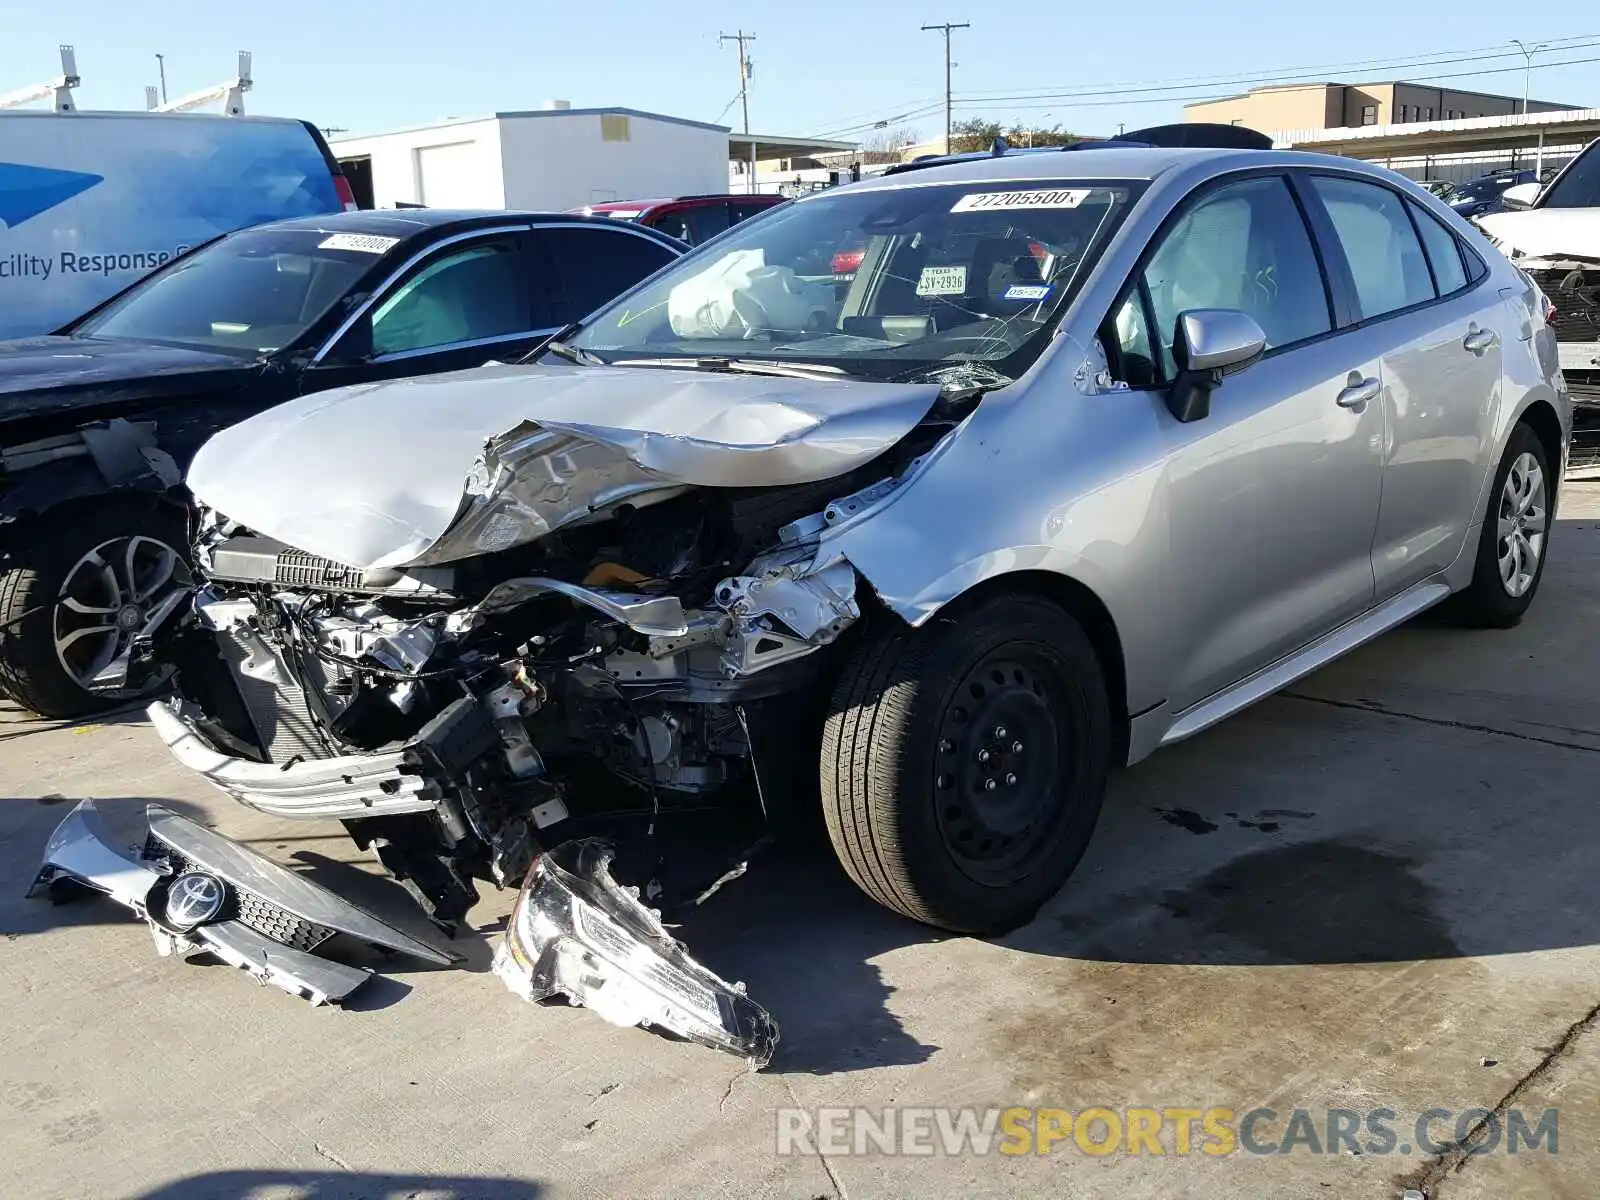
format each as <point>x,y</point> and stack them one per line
<point>1546,232</point>
<point>374,475</point>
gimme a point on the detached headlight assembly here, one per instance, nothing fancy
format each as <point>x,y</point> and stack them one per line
<point>576,932</point>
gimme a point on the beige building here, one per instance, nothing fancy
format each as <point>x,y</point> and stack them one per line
<point>1300,106</point>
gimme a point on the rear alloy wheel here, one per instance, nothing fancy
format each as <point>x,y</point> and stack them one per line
<point>79,589</point>
<point>963,764</point>
<point>1515,540</point>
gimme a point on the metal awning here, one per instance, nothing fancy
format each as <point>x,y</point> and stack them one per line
<point>1422,138</point>
<point>743,147</point>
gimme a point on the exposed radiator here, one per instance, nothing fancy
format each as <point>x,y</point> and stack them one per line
<point>282,719</point>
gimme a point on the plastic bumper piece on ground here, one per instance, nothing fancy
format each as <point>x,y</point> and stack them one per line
<point>576,932</point>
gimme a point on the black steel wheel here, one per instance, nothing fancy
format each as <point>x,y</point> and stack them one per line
<point>964,764</point>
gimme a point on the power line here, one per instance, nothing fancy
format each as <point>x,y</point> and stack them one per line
<point>949,101</point>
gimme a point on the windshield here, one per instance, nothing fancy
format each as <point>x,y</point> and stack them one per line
<point>885,283</point>
<point>1482,189</point>
<point>1579,185</point>
<point>250,293</point>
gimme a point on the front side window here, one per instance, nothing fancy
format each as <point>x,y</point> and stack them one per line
<point>706,221</point>
<point>464,294</point>
<point>1245,247</point>
<point>1379,243</point>
<point>885,283</point>
<point>250,293</point>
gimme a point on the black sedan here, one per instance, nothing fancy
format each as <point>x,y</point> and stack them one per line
<point>98,421</point>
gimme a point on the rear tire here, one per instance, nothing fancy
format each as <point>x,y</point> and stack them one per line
<point>1516,528</point>
<point>49,648</point>
<point>964,764</point>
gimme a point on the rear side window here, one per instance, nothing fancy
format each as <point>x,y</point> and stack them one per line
<point>1244,247</point>
<point>597,265</point>
<point>706,221</point>
<point>1444,252</point>
<point>1380,244</point>
<point>744,210</point>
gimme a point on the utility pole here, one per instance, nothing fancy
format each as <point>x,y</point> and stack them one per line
<point>161,65</point>
<point>949,103</point>
<point>1527,68</point>
<point>744,89</point>
<point>744,69</point>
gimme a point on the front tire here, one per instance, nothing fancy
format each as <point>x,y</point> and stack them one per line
<point>77,587</point>
<point>1515,541</point>
<point>964,764</point>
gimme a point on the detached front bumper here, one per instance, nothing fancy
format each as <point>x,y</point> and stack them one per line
<point>356,785</point>
<point>200,893</point>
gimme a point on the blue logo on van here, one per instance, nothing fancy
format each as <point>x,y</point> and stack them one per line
<point>28,191</point>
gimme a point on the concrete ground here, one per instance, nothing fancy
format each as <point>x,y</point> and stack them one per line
<point>1376,892</point>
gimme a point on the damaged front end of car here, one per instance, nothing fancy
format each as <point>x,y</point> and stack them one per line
<point>627,610</point>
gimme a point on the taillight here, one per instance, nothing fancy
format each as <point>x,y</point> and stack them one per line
<point>1549,310</point>
<point>848,262</point>
<point>341,188</point>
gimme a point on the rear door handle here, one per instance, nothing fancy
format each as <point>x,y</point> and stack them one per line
<point>1479,340</point>
<point>1359,392</point>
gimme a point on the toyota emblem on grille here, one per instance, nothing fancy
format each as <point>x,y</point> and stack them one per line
<point>194,898</point>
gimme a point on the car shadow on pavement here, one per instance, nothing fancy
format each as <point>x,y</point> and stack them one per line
<point>17,722</point>
<point>803,940</point>
<point>342,1185</point>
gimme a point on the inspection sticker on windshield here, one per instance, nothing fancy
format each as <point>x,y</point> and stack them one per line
<point>1028,291</point>
<point>367,243</point>
<point>1047,198</point>
<point>942,281</point>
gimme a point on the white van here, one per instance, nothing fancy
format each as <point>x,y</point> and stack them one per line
<point>1554,235</point>
<point>90,201</point>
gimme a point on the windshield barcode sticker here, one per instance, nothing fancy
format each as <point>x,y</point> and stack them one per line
<point>942,281</point>
<point>366,243</point>
<point>1050,198</point>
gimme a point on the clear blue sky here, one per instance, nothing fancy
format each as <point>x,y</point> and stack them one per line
<point>820,65</point>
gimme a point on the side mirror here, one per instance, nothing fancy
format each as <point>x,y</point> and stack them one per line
<point>1522,196</point>
<point>1208,345</point>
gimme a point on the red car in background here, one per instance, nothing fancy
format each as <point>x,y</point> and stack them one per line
<point>692,219</point>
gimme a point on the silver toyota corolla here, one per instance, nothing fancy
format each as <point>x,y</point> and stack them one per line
<point>940,495</point>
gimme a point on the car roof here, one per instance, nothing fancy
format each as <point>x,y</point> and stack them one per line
<point>681,201</point>
<point>409,222</point>
<point>1128,162</point>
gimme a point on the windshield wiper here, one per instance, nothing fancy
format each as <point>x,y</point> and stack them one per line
<point>583,358</point>
<point>741,366</point>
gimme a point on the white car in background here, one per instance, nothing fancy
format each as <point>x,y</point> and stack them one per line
<point>1554,236</point>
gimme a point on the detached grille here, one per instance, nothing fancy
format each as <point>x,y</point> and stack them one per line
<point>249,909</point>
<point>1576,295</point>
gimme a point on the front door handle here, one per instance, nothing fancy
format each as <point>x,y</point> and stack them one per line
<point>1479,340</point>
<point>1358,392</point>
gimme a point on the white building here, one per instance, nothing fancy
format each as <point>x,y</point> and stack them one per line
<point>551,160</point>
